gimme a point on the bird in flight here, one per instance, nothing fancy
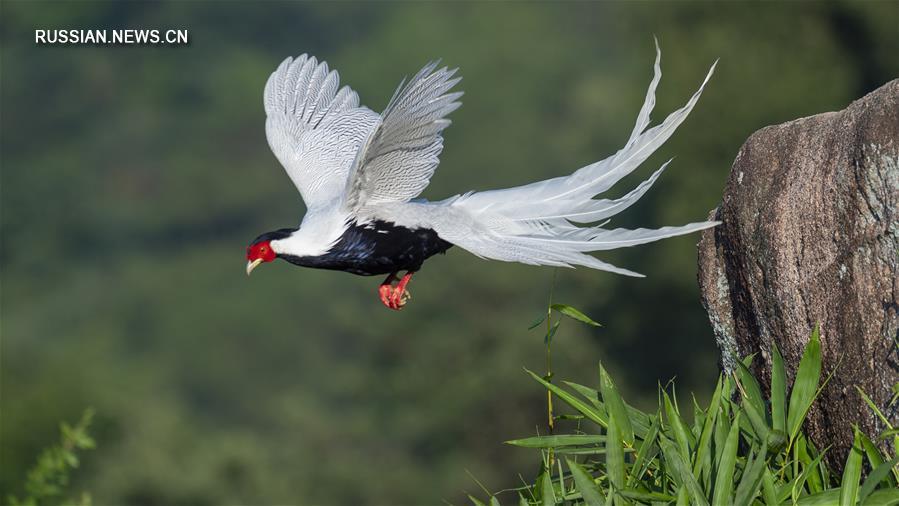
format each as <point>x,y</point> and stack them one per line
<point>360,173</point>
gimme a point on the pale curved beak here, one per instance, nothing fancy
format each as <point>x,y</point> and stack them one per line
<point>252,265</point>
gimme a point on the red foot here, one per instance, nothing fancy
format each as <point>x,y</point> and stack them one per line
<point>395,297</point>
<point>385,289</point>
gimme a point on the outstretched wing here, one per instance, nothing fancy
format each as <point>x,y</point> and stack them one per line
<point>400,155</point>
<point>314,129</point>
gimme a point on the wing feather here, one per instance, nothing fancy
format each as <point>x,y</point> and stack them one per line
<point>314,127</point>
<point>402,153</point>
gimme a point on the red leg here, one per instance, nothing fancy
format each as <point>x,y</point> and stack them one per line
<point>400,295</point>
<point>385,290</point>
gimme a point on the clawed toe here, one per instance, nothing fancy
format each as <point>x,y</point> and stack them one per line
<point>384,293</point>
<point>395,297</point>
<point>399,298</point>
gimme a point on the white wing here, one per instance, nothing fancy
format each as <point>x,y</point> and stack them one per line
<point>401,154</point>
<point>314,130</point>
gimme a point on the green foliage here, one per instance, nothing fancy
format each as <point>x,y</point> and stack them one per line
<point>735,452</point>
<point>574,314</point>
<point>805,386</point>
<point>48,479</point>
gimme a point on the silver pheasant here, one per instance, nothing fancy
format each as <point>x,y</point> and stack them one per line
<point>360,173</point>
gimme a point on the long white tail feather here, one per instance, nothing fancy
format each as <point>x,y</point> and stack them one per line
<point>600,176</point>
<point>617,238</point>
<point>650,101</point>
<point>537,223</point>
<point>591,211</point>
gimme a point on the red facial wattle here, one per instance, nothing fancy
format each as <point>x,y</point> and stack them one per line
<point>259,253</point>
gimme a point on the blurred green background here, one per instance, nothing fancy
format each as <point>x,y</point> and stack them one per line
<point>133,178</point>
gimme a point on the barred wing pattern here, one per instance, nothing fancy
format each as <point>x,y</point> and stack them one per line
<point>314,129</point>
<point>401,153</point>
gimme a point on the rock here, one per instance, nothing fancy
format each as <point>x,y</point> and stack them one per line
<point>810,234</point>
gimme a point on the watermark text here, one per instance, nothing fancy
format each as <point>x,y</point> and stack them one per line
<point>122,36</point>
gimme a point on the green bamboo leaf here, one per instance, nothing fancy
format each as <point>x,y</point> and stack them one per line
<point>646,497</point>
<point>888,497</point>
<point>832,496</point>
<point>557,441</point>
<point>683,498</point>
<point>698,418</point>
<point>494,501</point>
<point>639,420</point>
<point>724,478</point>
<point>537,322</point>
<point>614,456</point>
<point>751,389</point>
<point>769,494</point>
<point>784,489</point>
<point>679,465</point>
<point>777,441</point>
<point>815,484</point>
<point>875,459</point>
<point>587,393</point>
<point>567,450</point>
<point>722,428</point>
<point>572,401</point>
<point>644,455</point>
<point>828,498</point>
<point>615,406</point>
<point>474,500</point>
<point>823,472</point>
<point>798,483</point>
<point>590,492</point>
<point>778,390</point>
<point>752,478</point>
<point>888,433</point>
<point>522,501</point>
<point>852,473</point>
<point>702,464</point>
<point>878,475</point>
<point>886,423</point>
<point>548,497</point>
<point>587,451</point>
<point>552,332</point>
<point>574,314</point>
<point>806,384</point>
<point>756,421</point>
<point>681,435</point>
<point>727,392</point>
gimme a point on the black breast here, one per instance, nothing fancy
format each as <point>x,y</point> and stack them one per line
<point>377,248</point>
